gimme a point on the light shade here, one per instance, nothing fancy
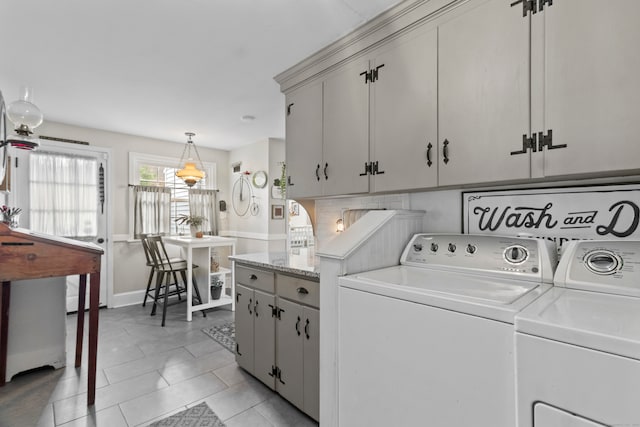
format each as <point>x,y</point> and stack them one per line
<point>26,116</point>
<point>190,174</point>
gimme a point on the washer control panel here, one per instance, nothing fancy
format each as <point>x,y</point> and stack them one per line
<point>610,266</point>
<point>500,255</point>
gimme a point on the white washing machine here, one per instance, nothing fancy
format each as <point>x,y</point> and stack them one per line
<point>578,346</point>
<point>430,342</point>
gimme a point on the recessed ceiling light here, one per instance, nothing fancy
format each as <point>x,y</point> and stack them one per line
<point>248,118</point>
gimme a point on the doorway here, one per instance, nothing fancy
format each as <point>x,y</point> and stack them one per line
<point>63,190</point>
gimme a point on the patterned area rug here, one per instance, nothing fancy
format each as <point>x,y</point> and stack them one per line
<point>198,416</point>
<point>224,334</point>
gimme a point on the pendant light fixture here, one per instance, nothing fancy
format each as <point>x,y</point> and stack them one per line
<point>190,174</point>
<point>26,116</point>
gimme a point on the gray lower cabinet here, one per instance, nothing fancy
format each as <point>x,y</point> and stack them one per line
<point>255,324</point>
<point>277,321</point>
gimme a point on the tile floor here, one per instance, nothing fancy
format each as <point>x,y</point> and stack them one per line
<point>146,372</point>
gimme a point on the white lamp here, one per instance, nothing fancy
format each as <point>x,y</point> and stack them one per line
<point>26,116</point>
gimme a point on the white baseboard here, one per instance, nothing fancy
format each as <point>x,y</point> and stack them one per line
<point>127,298</point>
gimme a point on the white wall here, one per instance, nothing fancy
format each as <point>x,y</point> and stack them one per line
<point>257,233</point>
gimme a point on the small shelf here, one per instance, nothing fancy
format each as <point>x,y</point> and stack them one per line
<point>222,270</point>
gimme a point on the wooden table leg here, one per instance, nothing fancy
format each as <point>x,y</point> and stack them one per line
<point>94,305</point>
<point>82,292</point>
<point>5,297</point>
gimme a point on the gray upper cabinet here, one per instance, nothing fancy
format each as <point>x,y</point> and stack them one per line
<point>346,130</point>
<point>304,141</point>
<point>483,83</point>
<point>585,70</point>
<point>404,112</point>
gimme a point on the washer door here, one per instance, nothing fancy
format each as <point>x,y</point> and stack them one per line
<point>548,416</point>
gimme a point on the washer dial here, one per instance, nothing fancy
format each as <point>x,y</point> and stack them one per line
<point>516,254</point>
<point>602,262</point>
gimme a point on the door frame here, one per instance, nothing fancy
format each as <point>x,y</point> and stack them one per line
<point>19,196</point>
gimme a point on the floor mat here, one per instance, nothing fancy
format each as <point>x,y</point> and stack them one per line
<point>198,416</point>
<point>224,334</point>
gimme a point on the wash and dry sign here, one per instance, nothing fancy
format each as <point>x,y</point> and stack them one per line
<point>559,214</point>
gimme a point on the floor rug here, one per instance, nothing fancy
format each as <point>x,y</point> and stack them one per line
<point>224,334</point>
<point>198,416</point>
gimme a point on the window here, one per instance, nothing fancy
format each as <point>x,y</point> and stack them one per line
<point>156,171</point>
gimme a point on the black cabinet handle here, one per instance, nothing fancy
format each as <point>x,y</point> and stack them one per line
<point>375,169</point>
<point>289,183</point>
<point>302,290</point>
<point>238,297</point>
<point>249,307</point>
<point>238,350</point>
<point>289,109</point>
<point>367,76</point>
<point>527,143</point>
<point>306,329</point>
<point>326,165</point>
<point>318,172</point>
<point>253,277</point>
<point>445,151</point>
<point>374,73</point>
<point>429,147</point>
<point>255,308</point>
<point>298,326</point>
<point>367,169</point>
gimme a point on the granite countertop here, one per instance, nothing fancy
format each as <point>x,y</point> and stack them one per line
<point>299,261</point>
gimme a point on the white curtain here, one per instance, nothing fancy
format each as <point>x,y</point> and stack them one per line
<point>63,195</point>
<point>203,203</point>
<point>152,210</point>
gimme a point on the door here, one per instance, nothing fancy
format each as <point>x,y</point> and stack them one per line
<point>304,141</point>
<point>311,364</point>
<point>264,339</point>
<point>346,130</point>
<point>65,189</point>
<point>290,328</point>
<point>404,113</point>
<point>587,85</point>
<point>244,327</point>
<point>483,94</point>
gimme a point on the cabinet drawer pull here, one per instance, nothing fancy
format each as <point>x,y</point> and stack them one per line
<point>318,172</point>
<point>326,165</point>
<point>429,162</point>
<point>249,307</point>
<point>302,291</point>
<point>238,350</point>
<point>445,151</point>
<point>255,308</point>
<point>253,277</point>
<point>306,329</point>
<point>298,326</point>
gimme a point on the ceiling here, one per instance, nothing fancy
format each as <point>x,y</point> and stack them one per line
<point>159,68</point>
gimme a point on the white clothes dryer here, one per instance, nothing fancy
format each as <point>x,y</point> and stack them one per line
<point>430,342</point>
<point>578,346</point>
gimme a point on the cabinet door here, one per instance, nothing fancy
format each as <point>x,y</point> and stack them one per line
<point>304,141</point>
<point>591,92</point>
<point>311,363</point>
<point>404,115</point>
<point>264,338</point>
<point>244,327</point>
<point>346,130</point>
<point>483,84</point>
<point>290,329</point>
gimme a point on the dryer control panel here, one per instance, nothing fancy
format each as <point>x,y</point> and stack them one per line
<point>490,255</point>
<point>601,265</point>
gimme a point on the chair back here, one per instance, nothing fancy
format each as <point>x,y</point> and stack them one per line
<point>145,247</point>
<point>158,252</point>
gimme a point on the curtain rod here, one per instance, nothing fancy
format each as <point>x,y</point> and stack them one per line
<point>215,189</point>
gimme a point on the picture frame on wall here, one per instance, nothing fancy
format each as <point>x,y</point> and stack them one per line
<point>295,209</point>
<point>277,211</point>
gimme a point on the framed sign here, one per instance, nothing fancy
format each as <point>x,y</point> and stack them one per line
<point>558,214</point>
<point>277,211</point>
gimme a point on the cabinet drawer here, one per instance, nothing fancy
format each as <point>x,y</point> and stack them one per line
<point>258,279</point>
<point>299,290</point>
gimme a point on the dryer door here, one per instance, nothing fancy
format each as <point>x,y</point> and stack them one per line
<point>548,416</point>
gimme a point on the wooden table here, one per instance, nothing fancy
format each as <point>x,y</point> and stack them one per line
<point>29,255</point>
<point>203,247</point>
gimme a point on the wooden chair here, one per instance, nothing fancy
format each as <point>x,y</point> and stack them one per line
<point>145,246</point>
<point>167,270</point>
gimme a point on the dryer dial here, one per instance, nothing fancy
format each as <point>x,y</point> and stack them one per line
<point>516,254</point>
<point>602,261</point>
